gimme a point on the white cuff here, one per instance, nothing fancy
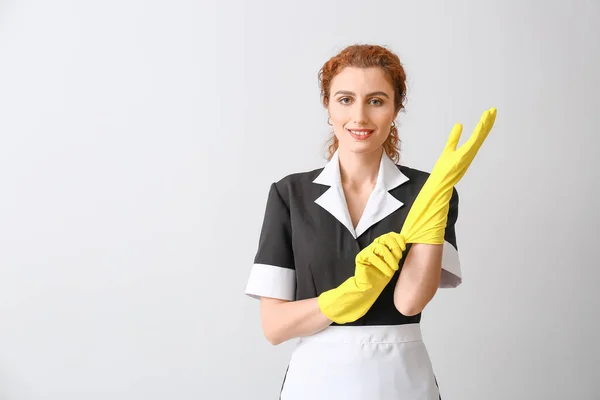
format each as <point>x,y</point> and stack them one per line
<point>451,272</point>
<point>271,281</point>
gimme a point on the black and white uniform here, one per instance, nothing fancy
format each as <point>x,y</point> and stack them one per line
<point>308,245</point>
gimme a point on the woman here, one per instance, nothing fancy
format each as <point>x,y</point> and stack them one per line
<point>350,254</point>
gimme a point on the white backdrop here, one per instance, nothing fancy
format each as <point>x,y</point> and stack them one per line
<point>138,140</point>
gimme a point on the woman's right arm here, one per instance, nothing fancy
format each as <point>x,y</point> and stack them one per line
<point>273,277</point>
<point>283,320</point>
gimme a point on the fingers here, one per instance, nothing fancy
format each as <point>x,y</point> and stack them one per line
<point>481,131</point>
<point>384,253</point>
<point>383,259</point>
<point>380,257</point>
<point>486,123</point>
<point>395,242</point>
<point>454,137</point>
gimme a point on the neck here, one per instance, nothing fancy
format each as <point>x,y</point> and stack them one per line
<point>359,169</point>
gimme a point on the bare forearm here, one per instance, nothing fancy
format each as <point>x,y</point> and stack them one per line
<point>285,320</point>
<point>419,278</point>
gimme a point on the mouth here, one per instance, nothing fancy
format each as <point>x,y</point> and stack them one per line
<point>360,134</point>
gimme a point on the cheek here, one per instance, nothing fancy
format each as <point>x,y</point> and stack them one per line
<point>385,125</point>
<point>338,116</point>
<point>338,131</point>
<point>341,111</point>
<point>384,116</point>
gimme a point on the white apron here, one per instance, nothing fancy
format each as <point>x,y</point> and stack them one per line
<point>361,363</point>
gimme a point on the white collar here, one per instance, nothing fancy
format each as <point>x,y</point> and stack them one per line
<point>380,203</point>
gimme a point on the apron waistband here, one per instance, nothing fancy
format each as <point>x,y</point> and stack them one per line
<point>367,334</point>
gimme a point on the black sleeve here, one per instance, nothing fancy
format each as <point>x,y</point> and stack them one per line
<point>275,243</point>
<point>273,272</point>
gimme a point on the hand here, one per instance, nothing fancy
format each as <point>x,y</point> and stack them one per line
<point>427,218</point>
<point>379,260</point>
<point>375,266</point>
<point>453,163</point>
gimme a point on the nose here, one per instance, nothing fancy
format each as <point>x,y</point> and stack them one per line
<point>359,114</point>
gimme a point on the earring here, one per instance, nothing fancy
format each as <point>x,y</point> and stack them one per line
<point>329,121</point>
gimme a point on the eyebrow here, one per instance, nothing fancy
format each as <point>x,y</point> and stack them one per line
<point>349,93</point>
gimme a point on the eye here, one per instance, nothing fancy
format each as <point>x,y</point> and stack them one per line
<point>377,102</point>
<point>343,100</point>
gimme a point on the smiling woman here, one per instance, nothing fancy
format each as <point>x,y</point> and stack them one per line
<point>350,254</point>
<point>375,78</point>
<point>346,107</point>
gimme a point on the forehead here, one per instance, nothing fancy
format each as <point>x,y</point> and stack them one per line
<point>361,80</point>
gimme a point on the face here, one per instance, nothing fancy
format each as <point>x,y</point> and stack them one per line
<point>361,107</point>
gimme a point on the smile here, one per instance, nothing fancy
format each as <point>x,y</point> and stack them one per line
<point>360,134</point>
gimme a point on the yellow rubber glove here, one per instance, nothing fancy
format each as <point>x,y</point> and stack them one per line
<point>427,218</point>
<point>375,266</point>
<point>425,223</point>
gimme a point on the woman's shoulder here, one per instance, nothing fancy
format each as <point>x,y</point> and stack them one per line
<point>296,184</point>
<point>299,178</point>
<point>413,174</point>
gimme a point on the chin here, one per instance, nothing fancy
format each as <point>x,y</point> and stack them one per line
<point>360,148</point>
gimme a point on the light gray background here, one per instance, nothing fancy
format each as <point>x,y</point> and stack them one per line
<point>139,139</point>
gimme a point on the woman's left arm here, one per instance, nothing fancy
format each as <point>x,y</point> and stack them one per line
<point>419,278</point>
<point>426,224</point>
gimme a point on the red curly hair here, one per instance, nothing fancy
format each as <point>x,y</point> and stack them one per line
<point>366,56</point>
